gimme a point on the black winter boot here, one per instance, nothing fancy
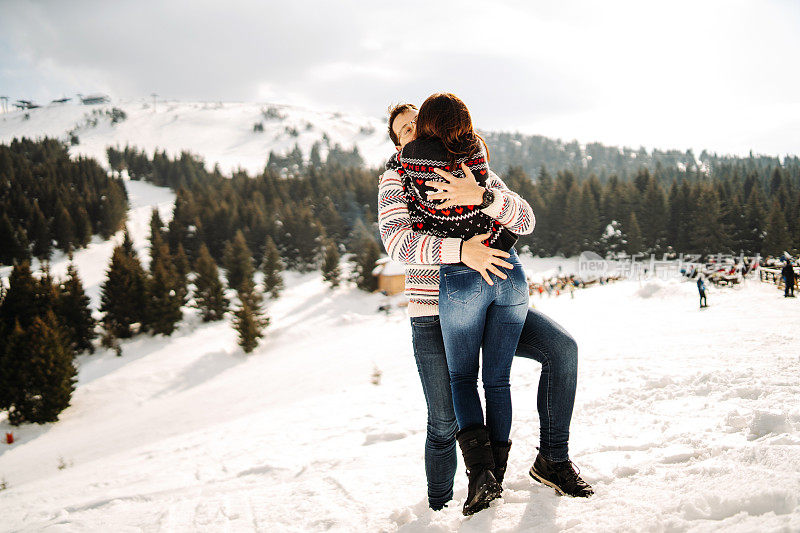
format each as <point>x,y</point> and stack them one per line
<point>477,452</point>
<point>561,476</point>
<point>500,455</point>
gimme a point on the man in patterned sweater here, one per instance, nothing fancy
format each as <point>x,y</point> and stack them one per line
<point>542,339</point>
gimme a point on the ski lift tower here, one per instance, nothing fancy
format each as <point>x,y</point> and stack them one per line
<point>155,96</point>
<point>4,104</point>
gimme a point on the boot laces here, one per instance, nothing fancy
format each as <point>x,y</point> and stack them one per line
<point>571,473</point>
<point>572,468</point>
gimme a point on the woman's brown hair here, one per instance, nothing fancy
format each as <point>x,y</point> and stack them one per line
<point>446,117</point>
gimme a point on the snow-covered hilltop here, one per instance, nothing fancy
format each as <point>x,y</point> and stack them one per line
<point>224,132</point>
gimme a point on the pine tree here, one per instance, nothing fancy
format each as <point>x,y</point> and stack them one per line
<point>45,380</point>
<point>182,267</point>
<point>634,236</point>
<point>247,325</point>
<point>184,226</point>
<point>12,363</point>
<point>641,180</point>
<point>613,240</point>
<point>725,220</point>
<point>156,225</point>
<point>314,157</point>
<point>755,222</point>
<point>674,216</point>
<point>655,217</point>
<point>64,228</point>
<point>775,181</point>
<point>127,244</point>
<point>300,238</point>
<point>11,246</point>
<point>796,216</point>
<point>272,267</point>
<point>558,211</point>
<point>209,294</point>
<point>707,234</point>
<point>331,271</point>
<point>164,301</point>
<point>778,239</point>
<point>24,252</point>
<point>331,220</point>
<point>238,261</point>
<point>159,252</point>
<point>535,241</point>
<point>609,201</point>
<point>40,235</point>
<point>75,313</point>
<point>588,219</point>
<point>6,365</point>
<point>572,233</point>
<point>47,293</point>
<point>181,261</point>
<point>138,280</point>
<point>165,289</point>
<point>115,159</point>
<point>544,234</point>
<point>733,218</point>
<point>123,297</point>
<point>83,227</point>
<point>20,303</point>
<point>365,257</point>
<point>249,321</point>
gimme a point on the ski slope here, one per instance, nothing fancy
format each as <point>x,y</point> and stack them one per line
<point>220,132</point>
<point>685,420</point>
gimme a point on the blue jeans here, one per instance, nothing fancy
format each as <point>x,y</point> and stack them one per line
<point>440,441</point>
<point>476,315</point>
<point>543,340</point>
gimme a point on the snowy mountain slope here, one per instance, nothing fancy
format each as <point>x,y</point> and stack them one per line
<point>685,420</point>
<point>219,132</point>
<point>93,261</point>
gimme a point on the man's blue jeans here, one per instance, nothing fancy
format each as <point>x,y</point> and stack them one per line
<point>476,315</point>
<point>543,340</point>
<point>440,442</point>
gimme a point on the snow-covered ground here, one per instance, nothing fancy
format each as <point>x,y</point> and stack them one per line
<point>685,420</point>
<point>220,132</point>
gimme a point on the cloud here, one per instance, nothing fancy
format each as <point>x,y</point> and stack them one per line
<point>589,68</point>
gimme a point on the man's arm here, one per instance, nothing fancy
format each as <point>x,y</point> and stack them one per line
<point>401,242</point>
<point>509,208</point>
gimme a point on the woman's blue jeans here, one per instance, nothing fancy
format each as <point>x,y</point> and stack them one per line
<point>476,315</point>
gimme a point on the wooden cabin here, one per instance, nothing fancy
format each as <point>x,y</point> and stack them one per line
<point>391,275</point>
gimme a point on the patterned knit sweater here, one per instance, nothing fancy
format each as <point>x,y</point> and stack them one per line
<point>415,166</point>
<point>423,253</point>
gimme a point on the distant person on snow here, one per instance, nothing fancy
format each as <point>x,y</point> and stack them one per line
<point>541,339</point>
<point>701,287</point>
<point>788,279</point>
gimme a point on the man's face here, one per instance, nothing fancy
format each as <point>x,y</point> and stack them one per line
<point>404,126</point>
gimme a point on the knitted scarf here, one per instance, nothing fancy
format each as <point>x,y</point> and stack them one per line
<point>415,164</point>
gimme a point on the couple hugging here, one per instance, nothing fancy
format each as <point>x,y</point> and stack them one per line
<point>454,223</point>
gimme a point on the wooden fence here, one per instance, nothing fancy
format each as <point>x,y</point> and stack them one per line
<point>773,275</point>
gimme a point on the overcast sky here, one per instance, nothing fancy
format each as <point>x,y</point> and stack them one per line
<point>721,75</point>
